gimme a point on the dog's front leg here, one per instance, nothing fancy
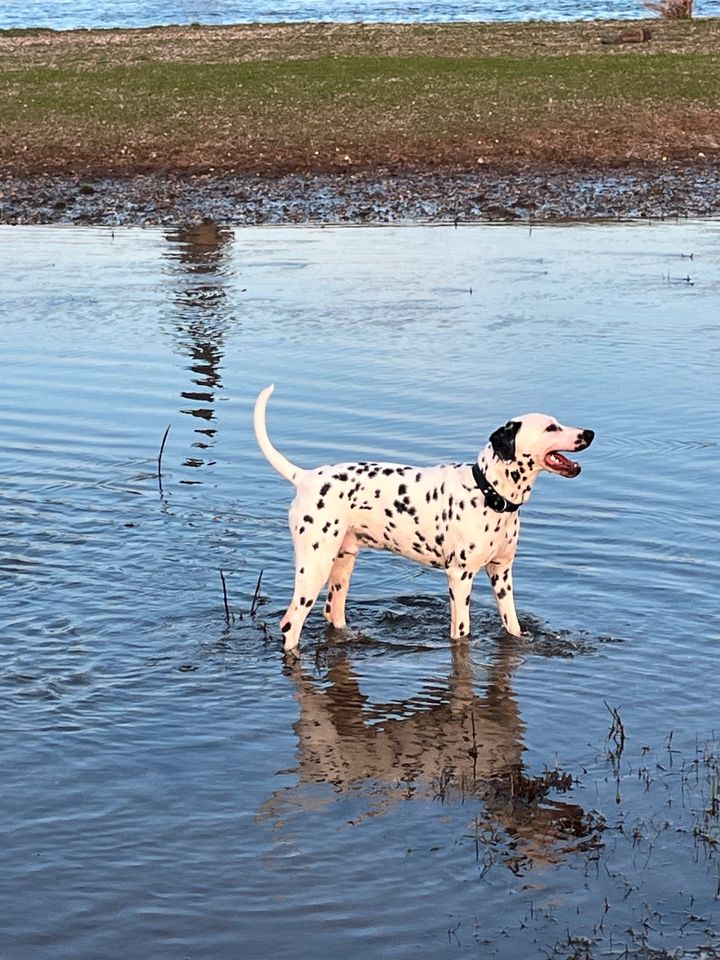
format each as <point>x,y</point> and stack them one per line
<point>459,587</point>
<point>500,575</point>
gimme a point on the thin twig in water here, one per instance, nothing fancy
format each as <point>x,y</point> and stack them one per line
<point>253,605</point>
<point>228,616</point>
<point>159,459</point>
<point>617,730</point>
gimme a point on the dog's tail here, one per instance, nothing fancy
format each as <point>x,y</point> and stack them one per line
<point>275,458</point>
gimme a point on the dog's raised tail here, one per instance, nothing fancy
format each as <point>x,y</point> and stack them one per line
<point>274,457</point>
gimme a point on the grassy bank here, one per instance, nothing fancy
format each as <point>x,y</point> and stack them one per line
<point>326,97</point>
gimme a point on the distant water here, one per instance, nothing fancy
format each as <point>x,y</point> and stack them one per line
<point>69,14</point>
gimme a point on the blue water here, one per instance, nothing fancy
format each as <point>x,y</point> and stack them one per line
<point>67,14</point>
<point>170,787</point>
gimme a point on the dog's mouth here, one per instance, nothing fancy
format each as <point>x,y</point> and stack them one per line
<point>557,462</point>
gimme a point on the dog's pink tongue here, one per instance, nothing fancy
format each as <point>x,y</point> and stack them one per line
<point>556,461</point>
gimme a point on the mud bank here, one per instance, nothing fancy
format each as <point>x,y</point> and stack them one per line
<point>371,197</point>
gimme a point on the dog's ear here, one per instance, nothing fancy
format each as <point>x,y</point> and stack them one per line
<point>503,440</point>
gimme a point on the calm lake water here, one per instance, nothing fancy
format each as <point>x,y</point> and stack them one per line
<point>67,14</point>
<point>170,788</point>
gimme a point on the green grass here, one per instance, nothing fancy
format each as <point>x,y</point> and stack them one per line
<point>154,92</point>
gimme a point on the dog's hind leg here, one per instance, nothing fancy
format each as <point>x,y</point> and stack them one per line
<point>310,577</point>
<point>315,552</point>
<point>339,581</point>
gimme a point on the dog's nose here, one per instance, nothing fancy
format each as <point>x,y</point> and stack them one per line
<point>587,437</point>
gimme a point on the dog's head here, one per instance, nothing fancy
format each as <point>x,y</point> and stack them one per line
<point>540,442</point>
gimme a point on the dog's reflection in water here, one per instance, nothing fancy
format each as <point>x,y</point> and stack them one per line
<point>450,744</point>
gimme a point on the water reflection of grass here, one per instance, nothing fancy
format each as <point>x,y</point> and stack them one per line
<point>330,102</point>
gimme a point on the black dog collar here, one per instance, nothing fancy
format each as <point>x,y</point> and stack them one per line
<point>493,499</point>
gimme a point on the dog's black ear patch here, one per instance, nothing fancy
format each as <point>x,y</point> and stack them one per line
<point>503,440</point>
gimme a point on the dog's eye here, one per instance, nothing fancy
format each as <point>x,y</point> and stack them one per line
<point>551,428</point>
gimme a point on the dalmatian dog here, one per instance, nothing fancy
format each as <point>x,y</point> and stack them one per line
<point>461,518</point>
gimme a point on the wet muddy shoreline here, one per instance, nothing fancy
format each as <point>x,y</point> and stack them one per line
<point>642,192</point>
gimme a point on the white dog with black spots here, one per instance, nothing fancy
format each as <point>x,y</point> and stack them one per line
<point>461,518</point>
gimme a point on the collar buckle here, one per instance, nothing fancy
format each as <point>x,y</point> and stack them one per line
<point>494,500</point>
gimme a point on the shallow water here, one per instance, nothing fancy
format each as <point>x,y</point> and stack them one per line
<point>70,14</point>
<point>170,788</point>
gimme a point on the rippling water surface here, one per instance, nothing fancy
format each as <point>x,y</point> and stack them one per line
<point>69,14</point>
<point>170,788</point>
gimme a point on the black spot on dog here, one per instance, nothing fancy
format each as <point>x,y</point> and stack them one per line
<point>286,626</point>
<point>307,518</point>
<point>324,489</point>
<point>340,476</point>
<point>321,504</point>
